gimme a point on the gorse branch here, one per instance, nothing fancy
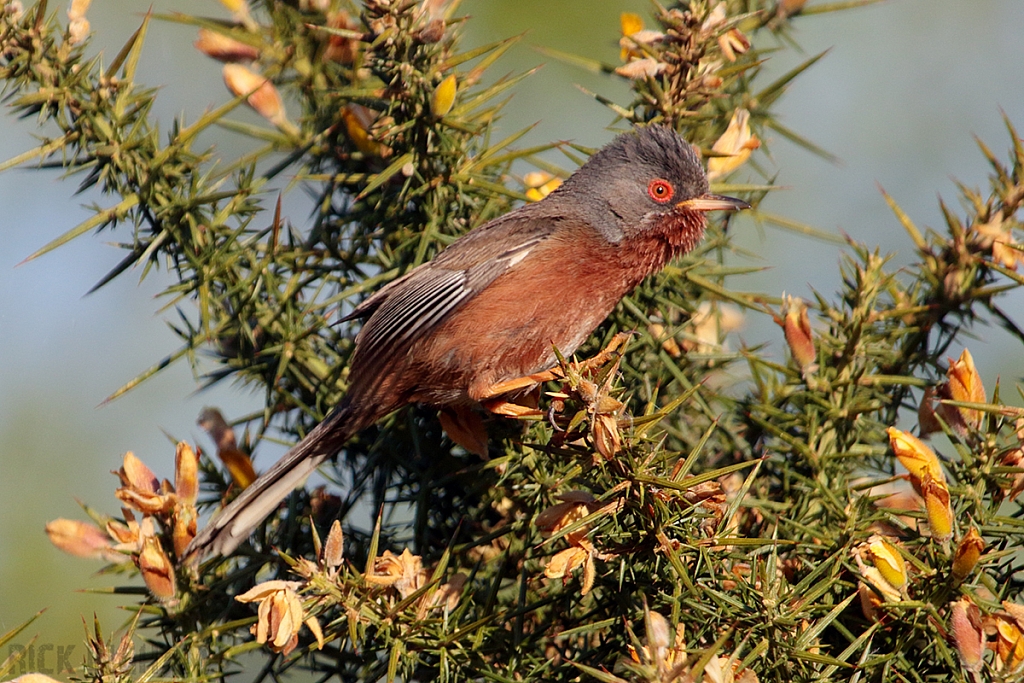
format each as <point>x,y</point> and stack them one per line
<point>684,510</point>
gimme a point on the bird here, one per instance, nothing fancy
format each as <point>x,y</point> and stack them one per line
<point>486,315</point>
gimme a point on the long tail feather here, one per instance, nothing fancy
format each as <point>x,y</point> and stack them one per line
<point>237,521</point>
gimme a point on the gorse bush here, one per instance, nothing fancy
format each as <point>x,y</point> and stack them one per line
<point>681,512</point>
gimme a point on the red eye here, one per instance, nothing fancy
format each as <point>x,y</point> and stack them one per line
<point>660,190</point>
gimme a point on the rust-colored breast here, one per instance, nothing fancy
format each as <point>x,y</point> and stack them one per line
<point>554,298</point>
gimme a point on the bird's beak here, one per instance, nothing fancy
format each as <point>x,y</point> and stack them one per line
<point>713,202</point>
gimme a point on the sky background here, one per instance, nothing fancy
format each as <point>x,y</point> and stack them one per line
<point>904,87</point>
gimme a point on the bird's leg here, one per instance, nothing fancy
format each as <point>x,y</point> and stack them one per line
<point>491,397</point>
<point>522,406</point>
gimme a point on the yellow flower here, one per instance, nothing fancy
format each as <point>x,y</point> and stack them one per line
<point>358,120</point>
<point>634,36</point>
<point>1009,645</point>
<point>938,509</point>
<point>630,23</point>
<point>234,6</point>
<point>881,576</point>
<point>280,614</point>
<point>888,561</point>
<point>443,97</point>
<point>240,11</point>
<point>920,461</point>
<point>927,478</point>
<point>539,184</point>
<point>734,147</point>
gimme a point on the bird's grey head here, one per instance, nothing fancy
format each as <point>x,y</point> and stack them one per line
<point>639,176</point>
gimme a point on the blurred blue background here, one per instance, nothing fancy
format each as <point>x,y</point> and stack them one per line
<point>905,86</point>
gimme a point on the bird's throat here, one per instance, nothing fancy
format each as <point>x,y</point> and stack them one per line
<point>650,249</point>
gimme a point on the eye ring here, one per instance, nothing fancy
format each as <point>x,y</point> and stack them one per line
<point>660,190</point>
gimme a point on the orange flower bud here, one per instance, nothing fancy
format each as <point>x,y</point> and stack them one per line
<point>565,562</point>
<point>136,475</point>
<point>184,527</point>
<point>259,92</point>
<point>448,594</point>
<point>968,552</point>
<point>81,539</point>
<point>334,548</point>
<point>790,7</point>
<point>968,634</point>
<point>797,329</point>
<point>224,48</point>
<point>186,473</point>
<point>575,506</point>
<point>314,627</point>
<point>156,568</point>
<point>238,463</point>
<point>964,384</point>
<point>870,601</point>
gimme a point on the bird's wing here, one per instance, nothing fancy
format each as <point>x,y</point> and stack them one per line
<point>412,305</point>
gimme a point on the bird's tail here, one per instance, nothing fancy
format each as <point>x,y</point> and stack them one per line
<point>236,521</point>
